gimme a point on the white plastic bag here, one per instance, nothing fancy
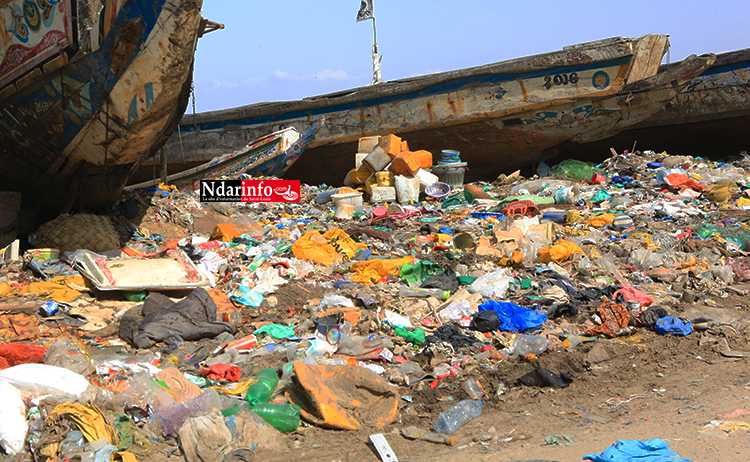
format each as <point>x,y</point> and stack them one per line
<point>456,311</point>
<point>493,284</point>
<point>645,259</point>
<point>334,300</point>
<point>397,320</point>
<point>13,424</point>
<point>269,280</point>
<point>40,379</point>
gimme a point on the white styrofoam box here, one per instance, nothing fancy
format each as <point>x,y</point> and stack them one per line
<point>358,158</point>
<point>377,160</point>
<point>383,194</point>
<point>367,143</point>
<point>425,178</point>
<point>407,189</point>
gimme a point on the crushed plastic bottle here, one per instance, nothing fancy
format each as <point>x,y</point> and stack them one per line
<point>473,388</point>
<point>283,417</point>
<point>424,293</point>
<point>261,391</point>
<point>525,345</point>
<point>456,417</point>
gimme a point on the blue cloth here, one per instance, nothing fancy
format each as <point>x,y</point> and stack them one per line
<point>653,450</point>
<point>669,325</point>
<point>514,318</point>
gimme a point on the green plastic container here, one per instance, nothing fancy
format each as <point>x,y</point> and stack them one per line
<point>262,389</point>
<point>283,417</point>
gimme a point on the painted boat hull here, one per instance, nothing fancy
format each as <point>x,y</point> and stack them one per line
<point>74,118</point>
<point>500,116</point>
<point>271,155</point>
<point>721,92</point>
<point>708,118</point>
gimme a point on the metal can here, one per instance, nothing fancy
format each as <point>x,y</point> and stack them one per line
<point>49,308</point>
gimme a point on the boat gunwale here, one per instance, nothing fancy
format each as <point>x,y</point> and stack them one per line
<point>528,67</point>
<point>285,110</point>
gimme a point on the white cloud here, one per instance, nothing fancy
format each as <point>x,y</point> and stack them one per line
<point>280,74</point>
<point>329,74</point>
<point>224,84</point>
<point>254,81</point>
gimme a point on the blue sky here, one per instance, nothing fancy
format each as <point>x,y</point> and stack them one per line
<point>276,50</point>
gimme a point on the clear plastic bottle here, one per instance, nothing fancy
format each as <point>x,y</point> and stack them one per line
<point>473,388</point>
<point>456,417</point>
<point>424,293</point>
<point>572,341</point>
<point>231,405</point>
<point>283,417</point>
<point>261,391</point>
<point>527,345</point>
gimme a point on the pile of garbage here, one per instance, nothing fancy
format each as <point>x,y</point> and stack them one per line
<point>214,344</point>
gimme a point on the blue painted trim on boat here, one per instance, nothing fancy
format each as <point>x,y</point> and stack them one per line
<point>726,68</point>
<point>437,89</point>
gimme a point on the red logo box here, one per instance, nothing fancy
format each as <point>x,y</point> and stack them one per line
<point>271,190</point>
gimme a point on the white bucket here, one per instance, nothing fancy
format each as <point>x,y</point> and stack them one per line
<point>350,198</point>
<point>567,195</point>
<point>407,189</point>
<point>344,211</point>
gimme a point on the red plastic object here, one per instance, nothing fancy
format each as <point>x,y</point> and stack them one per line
<point>379,212</point>
<point>244,343</point>
<point>598,178</point>
<point>209,245</point>
<point>525,208</point>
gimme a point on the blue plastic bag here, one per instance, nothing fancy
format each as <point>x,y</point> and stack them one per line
<point>244,295</point>
<point>601,195</point>
<point>653,450</point>
<point>514,318</point>
<point>673,326</point>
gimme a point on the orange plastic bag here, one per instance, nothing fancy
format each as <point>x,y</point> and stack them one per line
<point>681,182</point>
<point>600,221</point>
<point>369,272</point>
<point>343,397</point>
<point>225,232</point>
<point>335,246</point>
<point>559,252</point>
<point>58,288</point>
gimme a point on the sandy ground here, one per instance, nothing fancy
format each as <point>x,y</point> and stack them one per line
<point>651,386</point>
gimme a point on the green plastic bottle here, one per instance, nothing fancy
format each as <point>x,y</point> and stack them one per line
<point>135,296</point>
<point>283,417</point>
<point>261,391</point>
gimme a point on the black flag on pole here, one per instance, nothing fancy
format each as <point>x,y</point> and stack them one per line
<point>366,11</point>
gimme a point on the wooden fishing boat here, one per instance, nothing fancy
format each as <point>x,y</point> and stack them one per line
<point>708,118</point>
<point>86,89</point>
<point>500,116</point>
<point>270,155</point>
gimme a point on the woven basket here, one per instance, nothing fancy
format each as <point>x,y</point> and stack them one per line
<point>80,231</point>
